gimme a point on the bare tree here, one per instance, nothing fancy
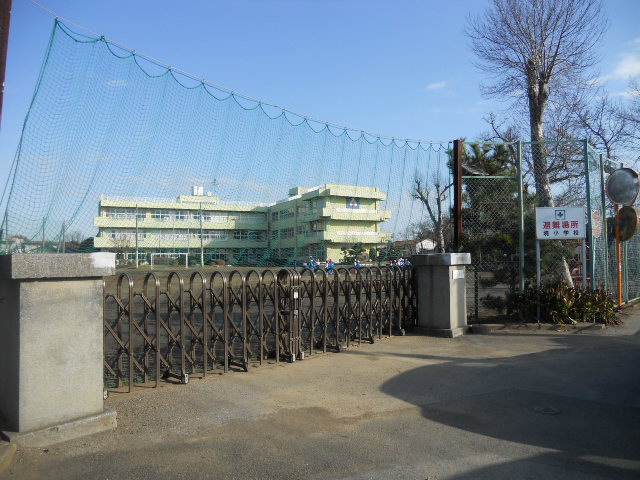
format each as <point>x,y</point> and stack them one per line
<point>536,51</point>
<point>605,124</point>
<point>121,244</point>
<point>632,116</point>
<point>420,192</point>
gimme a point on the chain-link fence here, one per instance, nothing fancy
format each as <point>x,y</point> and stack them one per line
<point>501,190</point>
<point>491,224</point>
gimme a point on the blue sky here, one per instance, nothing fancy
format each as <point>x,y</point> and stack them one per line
<point>400,68</point>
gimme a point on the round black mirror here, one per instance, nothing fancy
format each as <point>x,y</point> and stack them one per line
<point>623,186</point>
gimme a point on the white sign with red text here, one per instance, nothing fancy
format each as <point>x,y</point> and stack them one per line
<point>560,223</point>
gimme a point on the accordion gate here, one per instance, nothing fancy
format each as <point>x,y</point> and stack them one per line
<point>175,325</point>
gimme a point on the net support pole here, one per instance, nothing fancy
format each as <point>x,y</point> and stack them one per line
<point>5,21</point>
<point>64,249</point>
<point>588,247</point>
<point>457,194</point>
<point>584,263</point>
<point>137,263</point>
<point>618,255</point>
<point>520,219</point>
<point>44,220</point>
<point>201,239</point>
<point>538,280</point>
<point>6,231</point>
<point>605,233</point>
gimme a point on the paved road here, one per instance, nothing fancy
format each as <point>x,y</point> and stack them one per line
<point>523,404</point>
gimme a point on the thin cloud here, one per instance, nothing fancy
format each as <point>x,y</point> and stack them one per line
<point>628,66</point>
<point>623,94</point>
<point>116,83</point>
<point>436,86</point>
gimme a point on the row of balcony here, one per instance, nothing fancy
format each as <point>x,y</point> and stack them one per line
<point>229,223</point>
<point>366,215</point>
<point>149,240</point>
<point>222,223</point>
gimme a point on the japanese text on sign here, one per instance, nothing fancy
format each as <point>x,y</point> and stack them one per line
<point>560,223</point>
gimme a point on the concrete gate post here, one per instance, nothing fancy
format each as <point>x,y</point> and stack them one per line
<point>441,293</point>
<point>51,347</point>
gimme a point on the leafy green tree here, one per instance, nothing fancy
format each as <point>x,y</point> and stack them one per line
<point>388,252</point>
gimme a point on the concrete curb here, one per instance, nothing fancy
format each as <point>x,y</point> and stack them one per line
<point>101,422</point>
<point>489,328</point>
<point>7,451</point>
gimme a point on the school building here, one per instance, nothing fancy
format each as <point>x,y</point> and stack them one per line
<point>315,222</point>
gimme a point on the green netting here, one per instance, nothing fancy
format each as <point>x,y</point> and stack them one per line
<point>112,138</point>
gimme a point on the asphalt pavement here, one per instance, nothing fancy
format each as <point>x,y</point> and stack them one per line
<point>518,403</point>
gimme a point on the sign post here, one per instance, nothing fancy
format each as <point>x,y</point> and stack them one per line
<point>560,223</point>
<point>623,187</point>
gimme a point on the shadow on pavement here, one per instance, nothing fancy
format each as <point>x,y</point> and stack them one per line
<point>581,399</point>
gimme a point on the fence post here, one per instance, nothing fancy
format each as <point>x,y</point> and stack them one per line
<point>441,293</point>
<point>458,145</point>
<point>51,346</point>
<point>520,219</point>
<point>605,233</point>
<point>590,253</point>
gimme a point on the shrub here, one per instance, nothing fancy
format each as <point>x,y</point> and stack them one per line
<point>566,304</point>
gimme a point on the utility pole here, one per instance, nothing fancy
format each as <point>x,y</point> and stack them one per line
<point>5,20</point>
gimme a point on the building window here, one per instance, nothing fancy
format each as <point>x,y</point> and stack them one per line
<point>249,218</point>
<point>286,233</point>
<point>302,229</point>
<point>286,213</point>
<point>181,216</point>
<point>126,235</point>
<point>251,235</point>
<point>213,235</point>
<point>315,205</point>
<point>275,216</point>
<point>275,234</point>
<point>206,216</point>
<point>122,213</point>
<point>160,215</point>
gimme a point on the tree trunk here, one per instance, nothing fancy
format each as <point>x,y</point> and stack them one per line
<point>537,106</point>
<point>538,94</point>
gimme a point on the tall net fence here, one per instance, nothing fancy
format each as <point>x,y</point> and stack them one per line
<point>121,153</point>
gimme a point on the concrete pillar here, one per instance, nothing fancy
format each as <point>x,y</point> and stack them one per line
<point>51,347</point>
<point>440,287</point>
